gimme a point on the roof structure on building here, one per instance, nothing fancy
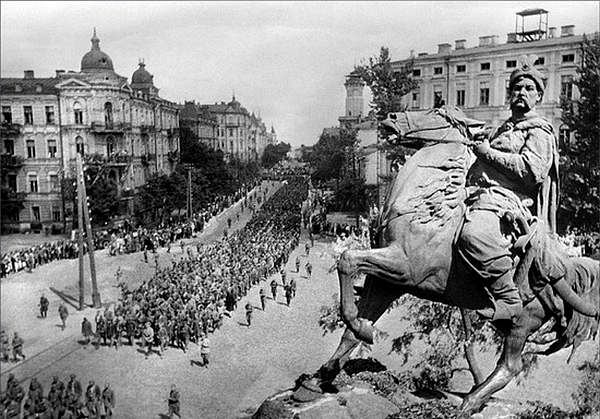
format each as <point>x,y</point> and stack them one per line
<point>141,75</point>
<point>96,59</point>
<point>33,86</point>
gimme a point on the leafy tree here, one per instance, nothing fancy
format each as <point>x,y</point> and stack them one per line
<point>274,153</point>
<point>580,162</point>
<point>333,155</point>
<point>387,86</point>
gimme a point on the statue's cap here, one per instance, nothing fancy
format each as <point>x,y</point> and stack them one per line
<point>526,68</point>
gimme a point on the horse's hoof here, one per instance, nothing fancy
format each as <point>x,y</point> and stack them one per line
<point>307,391</point>
<point>365,331</point>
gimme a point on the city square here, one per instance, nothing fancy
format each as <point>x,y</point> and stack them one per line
<point>286,223</point>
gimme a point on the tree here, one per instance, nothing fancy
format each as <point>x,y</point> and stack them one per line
<point>580,162</point>
<point>387,86</point>
<point>333,154</point>
<point>274,153</point>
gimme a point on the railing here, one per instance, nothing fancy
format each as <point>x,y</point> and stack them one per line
<point>173,156</point>
<point>147,158</point>
<point>11,161</point>
<point>115,127</point>
<point>8,128</point>
<point>172,131</point>
<point>147,128</point>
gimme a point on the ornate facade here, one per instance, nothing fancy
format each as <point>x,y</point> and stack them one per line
<point>125,127</point>
<point>228,127</point>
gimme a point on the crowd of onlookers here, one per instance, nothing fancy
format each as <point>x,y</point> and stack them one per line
<point>124,239</point>
<point>64,400</point>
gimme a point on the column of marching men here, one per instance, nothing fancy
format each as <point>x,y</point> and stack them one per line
<point>184,302</point>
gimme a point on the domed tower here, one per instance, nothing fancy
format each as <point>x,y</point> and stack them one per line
<point>354,95</point>
<point>142,80</point>
<point>95,59</point>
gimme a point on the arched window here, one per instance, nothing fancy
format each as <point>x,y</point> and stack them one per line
<point>108,114</point>
<point>110,145</point>
<point>77,113</point>
<point>123,117</point>
<point>79,145</point>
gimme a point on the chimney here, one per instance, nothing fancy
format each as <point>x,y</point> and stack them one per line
<point>28,74</point>
<point>59,72</point>
<point>511,38</point>
<point>412,53</point>
<point>460,44</point>
<point>484,41</point>
<point>494,40</point>
<point>552,32</point>
<point>567,30</point>
<point>444,48</point>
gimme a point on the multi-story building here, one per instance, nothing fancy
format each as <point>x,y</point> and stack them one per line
<point>125,127</point>
<point>475,79</point>
<point>228,127</point>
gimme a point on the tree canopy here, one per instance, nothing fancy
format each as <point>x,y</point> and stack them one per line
<point>274,153</point>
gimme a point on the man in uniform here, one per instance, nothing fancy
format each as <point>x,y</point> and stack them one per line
<point>308,267</point>
<point>249,310</point>
<point>148,336</point>
<point>108,398</point>
<point>204,349</point>
<point>274,289</point>
<point>17,347</point>
<point>44,303</point>
<point>516,167</point>
<point>174,405</point>
<point>263,297</point>
<point>63,313</point>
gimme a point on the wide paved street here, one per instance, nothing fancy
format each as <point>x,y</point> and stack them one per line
<point>247,363</point>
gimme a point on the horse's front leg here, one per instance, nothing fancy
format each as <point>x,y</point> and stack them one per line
<point>510,363</point>
<point>389,263</point>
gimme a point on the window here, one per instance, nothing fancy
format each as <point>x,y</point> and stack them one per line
<point>28,115</point>
<point>540,61</point>
<point>460,97</point>
<point>485,66</point>
<point>33,183</point>
<point>568,58</point>
<point>31,149</point>
<point>6,115</point>
<point>231,132</point>
<point>78,113</point>
<point>461,68</point>
<point>415,100</point>
<point>79,145</point>
<point>416,72</point>
<point>438,70</point>
<point>55,214</point>
<point>564,137</point>
<point>9,147</point>
<point>566,86</point>
<point>53,180</point>
<point>110,146</point>
<point>438,99</point>
<point>50,115</point>
<point>52,149</point>
<point>35,211</point>
<point>108,115</point>
<point>12,182</point>
<point>511,64</point>
<point>484,93</point>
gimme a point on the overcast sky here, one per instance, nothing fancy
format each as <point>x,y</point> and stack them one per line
<point>284,60</point>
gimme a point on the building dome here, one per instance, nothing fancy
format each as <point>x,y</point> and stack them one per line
<point>95,59</point>
<point>141,75</point>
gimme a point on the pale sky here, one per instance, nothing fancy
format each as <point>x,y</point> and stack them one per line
<point>284,60</point>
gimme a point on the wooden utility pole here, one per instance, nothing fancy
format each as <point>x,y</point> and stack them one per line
<point>85,225</point>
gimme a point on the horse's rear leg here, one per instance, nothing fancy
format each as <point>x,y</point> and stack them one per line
<point>389,263</point>
<point>510,363</point>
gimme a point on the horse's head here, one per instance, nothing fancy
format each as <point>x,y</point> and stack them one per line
<point>419,128</point>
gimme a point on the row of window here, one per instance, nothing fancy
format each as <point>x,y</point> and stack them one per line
<point>77,114</point>
<point>566,90</point>
<point>36,214</point>
<point>486,66</point>
<point>32,182</point>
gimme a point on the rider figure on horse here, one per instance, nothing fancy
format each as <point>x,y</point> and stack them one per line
<point>516,167</point>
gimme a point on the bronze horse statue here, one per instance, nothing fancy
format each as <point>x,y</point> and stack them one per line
<point>420,221</point>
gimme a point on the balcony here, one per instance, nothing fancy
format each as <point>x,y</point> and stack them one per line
<point>8,128</point>
<point>147,128</point>
<point>172,131</point>
<point>115,128</point>
<point>173,156</point>
<point>10,161</point>
<point>147,158</point>
<point>118,159</point>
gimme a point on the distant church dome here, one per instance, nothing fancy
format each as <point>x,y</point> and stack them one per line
<point>141,75</point>
<point>95,59</point>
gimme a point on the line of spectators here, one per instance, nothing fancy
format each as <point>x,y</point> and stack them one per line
<point>122,240</point>
<point>64,400</point>
<point>182,302</point>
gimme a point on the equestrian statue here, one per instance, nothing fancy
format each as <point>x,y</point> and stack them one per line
<point>470,221</point>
